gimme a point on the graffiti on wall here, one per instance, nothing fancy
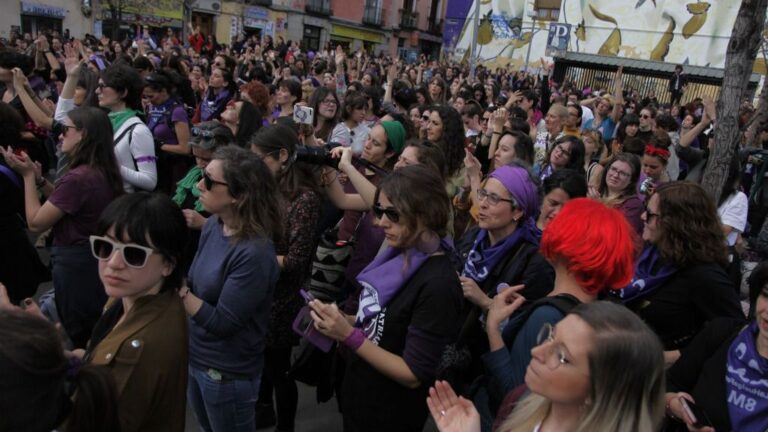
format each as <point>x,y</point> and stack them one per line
<point>677,31</point>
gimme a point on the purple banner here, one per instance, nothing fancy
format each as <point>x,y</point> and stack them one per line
<point>455,15</point>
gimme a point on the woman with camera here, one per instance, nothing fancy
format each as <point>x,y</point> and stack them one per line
<point>383,144</point>
<point>276,146</point>
<point>723,371</point>
<point>680,281</point>
<point>409,308</point>
<point>231,282</point>
<point>168,121</point>
<point>655,158</point>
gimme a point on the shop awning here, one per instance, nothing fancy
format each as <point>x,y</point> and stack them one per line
<point>345,32</point>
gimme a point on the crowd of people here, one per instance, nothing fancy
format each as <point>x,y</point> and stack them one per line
<point>501,251</point>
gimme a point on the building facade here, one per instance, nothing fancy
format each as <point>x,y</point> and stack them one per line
<point>40,15</point>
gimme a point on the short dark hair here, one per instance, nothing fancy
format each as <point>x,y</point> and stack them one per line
<point>293,87</point>
<point>124,78</point>
<point>150,220</point>
<point>571,181</point>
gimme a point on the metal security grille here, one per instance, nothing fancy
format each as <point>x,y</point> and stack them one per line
<point>644,84</point>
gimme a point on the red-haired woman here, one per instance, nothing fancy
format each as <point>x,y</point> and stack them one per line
<point>592,249</point>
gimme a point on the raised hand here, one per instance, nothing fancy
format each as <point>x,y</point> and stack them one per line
<point>452,413</point>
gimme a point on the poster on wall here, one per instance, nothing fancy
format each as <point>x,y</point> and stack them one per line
<point>674,31</point>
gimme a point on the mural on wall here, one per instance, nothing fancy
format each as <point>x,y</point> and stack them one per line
<point>677,31</point>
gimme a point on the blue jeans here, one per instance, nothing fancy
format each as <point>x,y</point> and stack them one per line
<point>221,404</point>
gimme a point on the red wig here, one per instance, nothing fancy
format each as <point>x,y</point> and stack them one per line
<point>595,242</point>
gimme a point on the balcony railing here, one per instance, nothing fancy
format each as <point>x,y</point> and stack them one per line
<point>434,26</point>
<point>409,19</point>
<point>372,14</point>
<point>318,7</point>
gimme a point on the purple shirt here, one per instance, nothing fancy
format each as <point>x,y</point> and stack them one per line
<point>163,128</point>
<point>82,194</point>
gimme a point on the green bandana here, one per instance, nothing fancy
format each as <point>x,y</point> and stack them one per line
<point>188,185</point>
<point>118,118</point>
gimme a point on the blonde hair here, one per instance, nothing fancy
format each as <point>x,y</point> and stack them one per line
<point>621,399</point>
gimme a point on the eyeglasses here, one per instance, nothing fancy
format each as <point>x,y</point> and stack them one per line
<point>101,86</point>
<point>65,128</point>
<point>492,198</point>
<point>645,116</point>
<point>329,102</point>
<point>621,174</point>
<point>391,212</point>
<point>209,182</point>
<point>555,355</point>
<point>649,214</point>
<point>425,118</point>
<point>563,150</point>
<point>134,255</point>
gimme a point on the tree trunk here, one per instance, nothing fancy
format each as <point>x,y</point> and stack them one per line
<point>739,58</point>
<point>759,120</point>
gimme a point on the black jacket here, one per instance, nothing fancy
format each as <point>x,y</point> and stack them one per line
<point>523,265</point>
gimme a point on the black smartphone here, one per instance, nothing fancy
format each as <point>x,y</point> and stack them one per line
<point>696,414</point>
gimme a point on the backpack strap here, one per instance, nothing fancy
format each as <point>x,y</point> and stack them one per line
<point>128,131</point>
<point>562,302</point>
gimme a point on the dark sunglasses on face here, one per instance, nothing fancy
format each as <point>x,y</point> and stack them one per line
<point>391,213</point>
<point>209,182</point>
<point>134,255</point>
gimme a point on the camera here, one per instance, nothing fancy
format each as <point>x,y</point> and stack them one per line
<point>317,155</point>
<point>647,186</point>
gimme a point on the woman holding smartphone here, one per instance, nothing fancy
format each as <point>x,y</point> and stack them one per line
<point>724,370</point>
<point>409,308</point>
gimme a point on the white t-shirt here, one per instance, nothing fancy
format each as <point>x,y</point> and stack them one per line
<point>733,212</point>
<point>136,156</point>
<point>354,138</point>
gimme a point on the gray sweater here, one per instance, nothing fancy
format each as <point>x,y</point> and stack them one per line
<point>235,280</point>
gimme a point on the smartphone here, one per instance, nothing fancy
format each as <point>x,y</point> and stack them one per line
<point>303,114</point>
<point>304,326</point>
<point>696,414</point>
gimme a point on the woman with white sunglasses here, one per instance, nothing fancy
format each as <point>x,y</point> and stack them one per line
<point>142,335</point>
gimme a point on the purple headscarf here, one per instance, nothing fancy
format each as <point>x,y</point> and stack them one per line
<point>518,182</point>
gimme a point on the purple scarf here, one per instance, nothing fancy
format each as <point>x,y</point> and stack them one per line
<point>209,109</point>
<point>386,274</point>
<point>746,383</point>
<point>645,282</point>
<point>482,259</point>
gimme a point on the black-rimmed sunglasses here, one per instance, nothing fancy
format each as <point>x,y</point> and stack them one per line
<point>209,182</point>
<point>391,212</point>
